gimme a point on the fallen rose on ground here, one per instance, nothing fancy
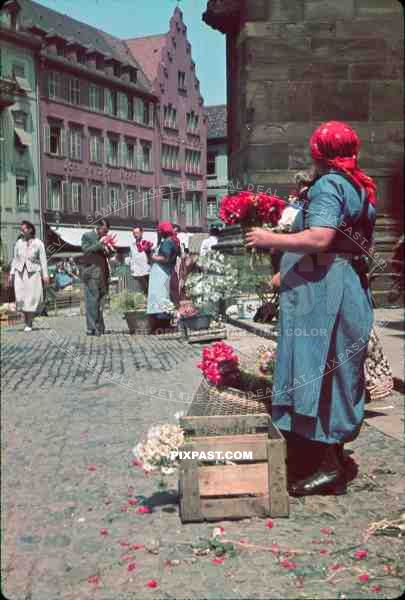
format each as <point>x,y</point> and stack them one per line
<point>152,583</point>
<point>360,554</point>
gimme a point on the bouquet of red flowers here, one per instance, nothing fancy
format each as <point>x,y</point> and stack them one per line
<point>109,241</point>
<point>220,364</point>
<point>144,246</point>
<point>250,209</point>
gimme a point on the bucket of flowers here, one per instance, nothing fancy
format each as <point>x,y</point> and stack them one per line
<point>132,306</point>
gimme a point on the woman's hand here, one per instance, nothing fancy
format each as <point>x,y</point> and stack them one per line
<point>276,280</point>
<point>257,237</point>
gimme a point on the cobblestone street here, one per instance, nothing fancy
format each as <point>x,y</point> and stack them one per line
<point>74,407</point>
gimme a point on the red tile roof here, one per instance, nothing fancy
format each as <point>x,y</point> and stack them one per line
<point>148,52</point>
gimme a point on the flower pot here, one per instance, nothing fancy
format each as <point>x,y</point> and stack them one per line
<point>196,322</point>
<point>137,322</point>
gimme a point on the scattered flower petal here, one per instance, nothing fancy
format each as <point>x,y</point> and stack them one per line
<point>133,501</point>
<point>131,567</point>
<point>360,554</point>
<point>326,530</point>
<point>218,561</point>
<point>103,531</point>
<point>243,541</point>
<point>218,531</point>
<point>124,544</point>
<point>364,577</point>
<point>376,588</point>
<point>137,463</point>
<point>323,551</point>
<point>269,524</point>
<point>335,567</point>
<point>92,468</point>
<point>143,510</point>
<point>95,579</point>
<point>288,564</point>
<point>137,546</point>
<point>275,548</point>
<point>152,583</point>
<point>126,557</point>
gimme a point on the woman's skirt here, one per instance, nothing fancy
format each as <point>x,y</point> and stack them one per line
<point>28,291</point>
<point>159,291</point>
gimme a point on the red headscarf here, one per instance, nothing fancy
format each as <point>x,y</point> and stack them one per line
<point>165,228</point>
<point>336,145</point>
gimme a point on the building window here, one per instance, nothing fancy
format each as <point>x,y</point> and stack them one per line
<point>193,209</point>
<point>189,212</point>
<point>212,207</point>
<point>146,203</point>
<point>21,184</point>
<point>96,193</point>
<point>19,70</point>
<point>211,163</point>
<point>146,156</point>
<point>53,84</point>
<point>133,75</point>
<point>112,152</point>
<point>110,102</point>
<point>73,90</point>
<point>181,81</point>
<point>131,202</point>
<point>113,196</point>
<point>130,155</point>
<point>95,97</point>
<point>55,140</point>
<point>170,157</point>
<point>96,148</point>
<point>193,162</point>
<point>75,143</point>
<point>169,117</point>
<point>55,193</point>
<point>20,119</point>
<point>77,191</point>
<point>124,112</point>
<point>192,121</point>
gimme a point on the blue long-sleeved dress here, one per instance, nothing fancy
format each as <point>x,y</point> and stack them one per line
<point>326,317</point>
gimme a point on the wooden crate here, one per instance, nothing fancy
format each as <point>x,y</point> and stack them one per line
<point>205,335</point>
<point>256,487</point>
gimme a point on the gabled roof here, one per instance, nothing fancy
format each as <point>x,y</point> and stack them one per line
<point>148,51</point>
<point>36,14</point>
<point>217,121</point>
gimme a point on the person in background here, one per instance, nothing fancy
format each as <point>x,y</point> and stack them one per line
<point>62,278</point>
<point>183,237</point>
<point>138,263</point>
<point>71,268</point>
<point>96,248</point>
<point>211,241</point>
<point>29,273</point>
<point>163,264</point>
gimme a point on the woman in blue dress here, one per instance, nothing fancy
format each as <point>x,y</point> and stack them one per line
<point>326,312</point>
<point>163,264</point>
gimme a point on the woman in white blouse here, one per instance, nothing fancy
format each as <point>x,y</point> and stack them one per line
<point>29,271</point>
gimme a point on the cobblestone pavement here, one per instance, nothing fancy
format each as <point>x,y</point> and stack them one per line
<point>68,477</point>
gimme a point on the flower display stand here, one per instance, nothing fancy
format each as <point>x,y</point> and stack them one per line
<point>231,420</point>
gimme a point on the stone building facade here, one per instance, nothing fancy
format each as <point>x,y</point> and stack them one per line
<point>295,63</point>
<point>217,159</point>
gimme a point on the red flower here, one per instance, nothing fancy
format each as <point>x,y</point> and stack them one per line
<point>364,577</point>
<point>144,246</point>
<point>143,510</point>
<point>95,579</point>
<point>131,567</point>
<point>288,564</point>
<point>126,557</point>
<point>323,551</point>
<point>133,501</point>
<point>326,530</point>
<point>360,554</point>
<point>218,561</point>
<point>103,531</point>
<point>335,567</point>
<point>152,583</point>
<point>137,463</point>
<point>243,542</point>
<point>270,524</point>
<point>92,468</point>
<point>376,588</point>
<point>275,549</point>
<point>137,546</point>
<point>219,363</point>
<point>124,544</point>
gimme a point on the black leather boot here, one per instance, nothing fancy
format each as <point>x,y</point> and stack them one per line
<point>328,478</point>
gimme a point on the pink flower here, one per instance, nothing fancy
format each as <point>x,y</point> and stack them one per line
<point>326,530</point>
<point>124,544</point>
<point>92,468</point>
<point>243,541</point>
<point>274,548</point>
<point>133,501</point>
<point>94,579</point>
<point>218,561</point>
<point>376,588</point>
<point>143,510</point>
<point>137,546</point>
<point>364,577</point>
<point>288,564</point>
<point>323,551</point>
<point>152,583</point>
<point>126,557</point>
<point>335,567</point>
<point>269,524</point>
<point>103,531</point>
<point>137,463</point>
<point>131,567</point>
<point>360,554</point>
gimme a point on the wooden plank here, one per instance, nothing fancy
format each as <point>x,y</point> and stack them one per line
<point>224,422</point>
<point>277,478</point>
<point>254,443</point>
<point>190,505</point>
<point>229,480</point>
<point>218,509</point>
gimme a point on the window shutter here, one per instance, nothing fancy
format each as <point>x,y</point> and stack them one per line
<point>138,157</point>
<point>63,142</point>
<point>66,203</point>
<point>107,151</point>
<point>47,138</point>
<point>49,193</point>
<point>81,138</point>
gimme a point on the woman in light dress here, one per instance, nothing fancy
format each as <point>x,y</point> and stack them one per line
<point>29,272</point>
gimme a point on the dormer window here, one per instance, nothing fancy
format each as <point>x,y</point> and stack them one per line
<point>81,58</point>
<point>117,69</point>
<point>60,50</point>
<point>133,75</point>
<point>181,81</point>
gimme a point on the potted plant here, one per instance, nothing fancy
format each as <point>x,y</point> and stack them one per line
<point>133,306</point>
<point>214,280</point>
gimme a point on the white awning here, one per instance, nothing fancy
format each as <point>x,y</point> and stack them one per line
<point>25,138</point>
<point>73,236</point>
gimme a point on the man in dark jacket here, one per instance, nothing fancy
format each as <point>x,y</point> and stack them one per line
<point>94,274</point>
